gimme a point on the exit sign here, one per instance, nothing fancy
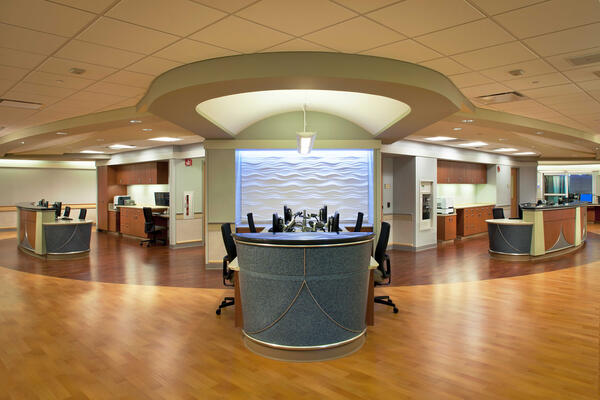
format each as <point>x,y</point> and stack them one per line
<point>188,162</point>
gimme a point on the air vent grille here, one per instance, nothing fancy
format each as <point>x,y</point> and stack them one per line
<point>504,97</point>
<point>585,60</point>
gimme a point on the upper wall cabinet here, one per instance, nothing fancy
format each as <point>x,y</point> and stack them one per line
<point>460,172</point>
<point>150,173</point>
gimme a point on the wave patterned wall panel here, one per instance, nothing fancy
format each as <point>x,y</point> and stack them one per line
<point>341,179</point>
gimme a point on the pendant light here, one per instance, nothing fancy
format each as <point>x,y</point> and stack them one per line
<point>305,139</point>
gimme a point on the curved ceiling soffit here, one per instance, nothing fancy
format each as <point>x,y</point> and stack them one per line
<point>175,94</point>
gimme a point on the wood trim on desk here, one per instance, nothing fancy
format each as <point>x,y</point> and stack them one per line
<point>77,206</point>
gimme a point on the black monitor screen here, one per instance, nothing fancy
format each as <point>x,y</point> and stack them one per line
<point>161,198</point>
<point>587,197</point>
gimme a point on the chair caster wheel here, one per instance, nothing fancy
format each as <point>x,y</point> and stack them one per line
<point>218,311</point>
<point>395,310</point>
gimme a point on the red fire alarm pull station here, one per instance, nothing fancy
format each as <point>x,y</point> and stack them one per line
<point>188,162</point>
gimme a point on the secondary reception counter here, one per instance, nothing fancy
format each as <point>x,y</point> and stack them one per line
<point>304,295</point>
<point>543,230</point>
<point>40,233</point>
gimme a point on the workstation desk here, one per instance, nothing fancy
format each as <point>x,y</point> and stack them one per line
<point>304,296</point>
<point>40,233</point>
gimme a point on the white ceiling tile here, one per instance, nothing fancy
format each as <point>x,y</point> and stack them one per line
<point>470,79</point>
<point>21,59</point>
<point>38,93</point>
<point>12,73</point>
<point>153,66</point>
<point>508,53</point>
<point>552,91</point>
<point>566,41</point>
<point>227,6</point>
<point>590,85</point>
<point>95,6</point>
<point>467,37</point>
<point>61,81</point>
<point>179,17</point>
<point>538,81</point>
<point>549,16</point>
<point>483,90</point>
<point>583,74</point>
<point>115,89</point>
<point>529,68</point>
<point>44,16</point>
<point>130,78</point>
<point>187,51</point>
<point>296,17</point>
<point>561,99</point>
<point>363,6</point>
<point>446,66</point>
<point>6,84</point>
<point>498,6</point>
<point>356,35</point>
<point>296,45</point>
<point>121,35</point>
<point>96,54</point>
<point>405,50</point>
<point>10,115</point>
<point>99,99</point>
<point>62,67</point>
<point>240,35</point>
<point>418,17</point>
<point>563,63</point>
<point>13,37</point>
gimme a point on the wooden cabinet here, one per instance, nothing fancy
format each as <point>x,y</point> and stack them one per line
<point>150,173</point>
<point>132,221</point>
<point>460,172</point>
<point>113,221</point>
<point>107,190</point>
<point>446,227</point>
<point>471,220</point>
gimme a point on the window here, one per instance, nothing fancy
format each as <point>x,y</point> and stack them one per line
<point>580,183</point>
<point>557,186</point>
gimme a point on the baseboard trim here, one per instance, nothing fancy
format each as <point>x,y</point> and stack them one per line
<point>408,247</point>
<point>183,245</point>
<point>213,265</point>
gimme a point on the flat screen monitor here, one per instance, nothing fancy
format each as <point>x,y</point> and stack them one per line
<point>586,197</point>
<point>161,199</point>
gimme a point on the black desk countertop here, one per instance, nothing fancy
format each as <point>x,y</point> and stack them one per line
<point>303,238</point>
<point>555,207</point>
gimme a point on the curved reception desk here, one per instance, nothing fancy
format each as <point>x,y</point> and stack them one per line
<point>304,295</point>
<point>544,230</point>
<point>40,233</point>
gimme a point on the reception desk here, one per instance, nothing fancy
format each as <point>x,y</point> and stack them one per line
<point>542,231</point>
<point>304,295</point>
<point>40,233</point>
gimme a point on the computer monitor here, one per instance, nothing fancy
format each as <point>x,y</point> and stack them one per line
<point>586,197</point>
<point>161,199</point>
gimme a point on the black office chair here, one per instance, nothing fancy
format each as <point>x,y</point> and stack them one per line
<point>359,222</point>
<point>150,228</point>
<point>82,213</point>
<point>498,213</point>
<point>520,213</point>
<point>67,212</point>
<point>227,273</point>
<point>277,224</point>
<point>336,222</point>
<point>57,209</point>
<point>251,223</point>
<point>383,274</point>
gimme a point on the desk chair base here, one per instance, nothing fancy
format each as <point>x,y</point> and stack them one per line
<point>385,300</point>
<point>152,242</point>
<point>227,301</point>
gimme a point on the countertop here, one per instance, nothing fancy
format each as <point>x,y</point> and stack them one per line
<point>69,222</point>
<point>33,207</point>
<point>303,238</point>
<point>507,221</point>
<point>140,206</point>
<point>446,215</point>
<point>554,207</point>
<point>460,206</point>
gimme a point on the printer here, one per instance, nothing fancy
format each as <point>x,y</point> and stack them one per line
<point>445,205</point>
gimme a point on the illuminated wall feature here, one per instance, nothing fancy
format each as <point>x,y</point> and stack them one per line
<point>268,179</point>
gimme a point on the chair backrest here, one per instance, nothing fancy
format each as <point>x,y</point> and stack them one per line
<point>498,213</point>
<point>57,208</point>
<point>336,222</point>
<point>251,223</point>
<point>520,212</point>
<point>228,242</point>
<point>276,225</point>
<point>148,220</point>
<point>82,213</point>
<point>384,236</point>
<point>359,221</point>
<point>67,211</point>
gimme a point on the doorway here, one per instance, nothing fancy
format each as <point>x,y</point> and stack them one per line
<point>514,192</point>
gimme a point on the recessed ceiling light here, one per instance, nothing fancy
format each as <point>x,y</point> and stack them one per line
<point>61,133</point>
<point>60,81</point>
<point>99,140</point>
<point>516,72</point>
<point>506,149</point>
<point>147,129</point>
<point>165,139</point>
<point>20,104</point>
<point>524,153</point>
<point>91,152</point>
<point>77,71</point>
<point>22,142</point>
<point>457,129</point>
<point>473,144</point>
<point>439,138</point>
<point>121,146</point>
<point>467,121</point>
<point>135,121</point>
<point>539,133</point>
<point>501,140</point>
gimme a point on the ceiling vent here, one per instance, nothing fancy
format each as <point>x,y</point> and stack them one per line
<point>20,104</point>
<point>585,60</point>
<point>497,98</point>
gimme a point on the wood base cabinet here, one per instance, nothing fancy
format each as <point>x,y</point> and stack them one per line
<point>446,227</point>
<point>471,220</point>
<point>132,222</point>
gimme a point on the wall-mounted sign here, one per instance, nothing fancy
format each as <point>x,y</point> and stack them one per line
<point>188,162</point>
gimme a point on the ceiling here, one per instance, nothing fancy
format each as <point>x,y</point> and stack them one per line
<point>124,44</point>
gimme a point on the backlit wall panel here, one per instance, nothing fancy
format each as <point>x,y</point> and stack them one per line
<point>268,179</point>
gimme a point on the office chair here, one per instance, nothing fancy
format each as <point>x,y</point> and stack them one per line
<point>359,222</point>
<point>520,213</point>
<point>227,273</point>
<point>277,224</point>
<point>336,222</point>
<point>82,213</point>
<point>150,228</point>
<point>383,275</point>
<point>498,213</point>
<point>57,209</point>
<point>67,212</point>
<point>251,223</point>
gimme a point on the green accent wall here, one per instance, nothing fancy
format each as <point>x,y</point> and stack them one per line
<point>220,169</point>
